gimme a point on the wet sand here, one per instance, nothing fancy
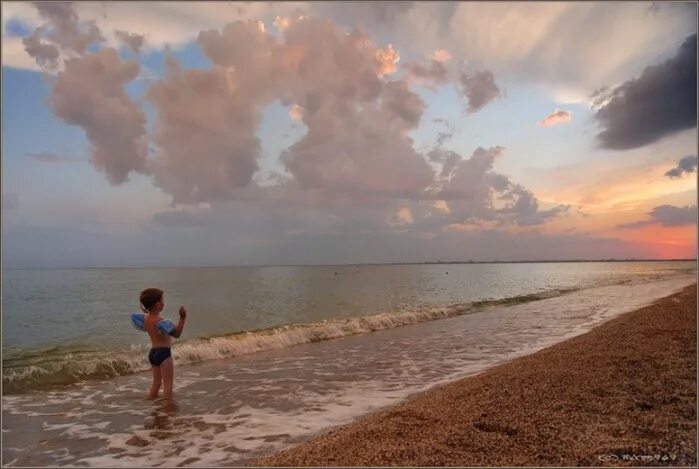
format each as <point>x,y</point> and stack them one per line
<point>623,394</point>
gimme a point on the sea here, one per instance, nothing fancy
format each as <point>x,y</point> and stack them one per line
<point>271,356</point>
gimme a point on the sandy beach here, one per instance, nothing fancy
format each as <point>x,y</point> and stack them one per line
<point>622,394</point>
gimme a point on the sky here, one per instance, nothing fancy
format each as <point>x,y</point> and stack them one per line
<point>143,134</point>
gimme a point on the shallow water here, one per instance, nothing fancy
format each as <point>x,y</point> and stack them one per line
<point>65,326</point>
<point>234,409</point>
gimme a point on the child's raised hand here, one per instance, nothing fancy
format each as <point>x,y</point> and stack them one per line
<point>183,312</point>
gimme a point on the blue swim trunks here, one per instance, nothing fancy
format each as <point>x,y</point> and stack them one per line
<point>158,355</point>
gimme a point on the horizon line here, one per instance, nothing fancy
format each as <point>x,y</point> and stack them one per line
<point>437,262</point>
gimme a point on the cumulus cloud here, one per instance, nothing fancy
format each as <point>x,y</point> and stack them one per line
<point>479,88</point>
<point>50,157</point>
<point>281,23</point>
<point>556,117</point>
<point>131,40</point>
<point>65,30</point>
<point>666,215</point>
<point>399,101</point>
<point>403,216</point>
<point>688,164</point>
<point>89,91</point>
<point>355,165</point>
<point>441,55</point>
<point>45,54</point>
<point>60,35</point>
<point>446,158</point>
<point>358,155</point>
<point>442,206</point>
<point>524,210</point>
<point>475,192</point>
<point>660,102</point>
<point>60,32</point>
<point>388,59</point>
<point>435,73</point>
<point>245,50</point>
<point>296,112</point>
<point>90,94</point>
<point>205,135</point>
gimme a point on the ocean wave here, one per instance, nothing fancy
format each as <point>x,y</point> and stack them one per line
<point>60,366</point>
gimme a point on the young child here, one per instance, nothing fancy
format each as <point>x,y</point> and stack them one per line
<point>160,357</point>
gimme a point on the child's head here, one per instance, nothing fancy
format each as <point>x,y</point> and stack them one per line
<point>152,300</point>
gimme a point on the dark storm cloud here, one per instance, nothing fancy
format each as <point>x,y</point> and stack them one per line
<point>666,215</point>
<point>688,164</point>
<point>659,102</point>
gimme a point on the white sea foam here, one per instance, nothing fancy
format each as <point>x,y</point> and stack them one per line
<point>236,409</point>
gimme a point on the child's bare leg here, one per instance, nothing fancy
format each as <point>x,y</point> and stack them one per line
<point>155,386</point>
<point>167,369</point>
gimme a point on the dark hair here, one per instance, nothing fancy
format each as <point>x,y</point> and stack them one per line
<point>150,296</point>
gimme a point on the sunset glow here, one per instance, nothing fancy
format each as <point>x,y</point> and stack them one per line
<point>291,132</point>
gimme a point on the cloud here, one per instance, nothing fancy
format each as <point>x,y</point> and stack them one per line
<point>59,36</point>
<point>559,44</point>
<point>402,217</point>
<point>49,157</point>
<point>64,28</point>
<point>14,55</point>
<point>479,88</point>
<point>45,54</point>
<point>660,102</point>
<point>556,117</point>
<point>399,101</point>
<point>388,59</point>
<point>205,135</point>
<point>281,23</point>
<point>474,192</point>
<point>524,210</point>
<point>539,43</point>
<point>433,74</point>
<point>90,94</point>
<point>132,41</point>
<point>357,151</point>
<point>441,55</point>
<point>358,155</point>
<point>442,206</point>
<point>356,142</point>
<point>666,215</point>
<point>296,112</point>
<point>688,164</point>
<point>446,158</point>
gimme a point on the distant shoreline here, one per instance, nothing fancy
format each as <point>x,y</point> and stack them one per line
<point>566,261</point>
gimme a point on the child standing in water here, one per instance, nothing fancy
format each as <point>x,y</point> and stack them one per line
<point>160,357</point>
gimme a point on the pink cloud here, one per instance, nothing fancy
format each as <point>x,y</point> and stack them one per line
<point>556,117</point>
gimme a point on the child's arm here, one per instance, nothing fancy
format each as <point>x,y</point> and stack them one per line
<point>180,324</point>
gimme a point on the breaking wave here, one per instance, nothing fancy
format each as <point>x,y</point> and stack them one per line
<point>59,366</point>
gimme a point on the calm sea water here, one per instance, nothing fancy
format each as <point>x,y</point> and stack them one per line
<point>255,371</point>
